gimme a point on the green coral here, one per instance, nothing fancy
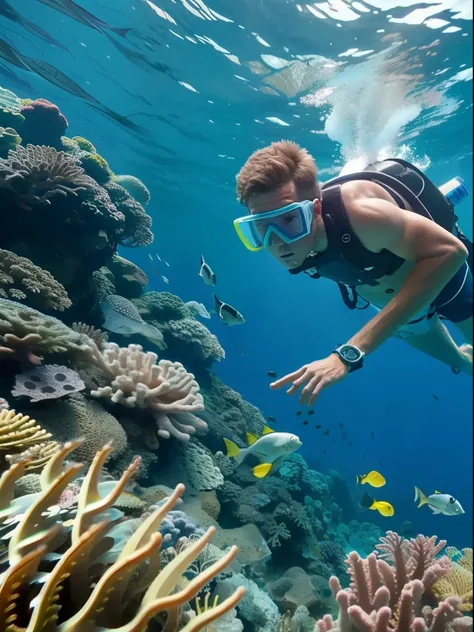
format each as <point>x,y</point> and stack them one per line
<point>85,144</point>
<point>9,139</point>
<point>96,167</point>
<point>69,146</point>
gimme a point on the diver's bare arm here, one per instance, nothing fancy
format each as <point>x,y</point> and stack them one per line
<point>438,255</point>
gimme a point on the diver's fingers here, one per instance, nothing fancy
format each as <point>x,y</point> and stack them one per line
<point>288,378</point>
<point>322,384</point>
<point>309,389</point>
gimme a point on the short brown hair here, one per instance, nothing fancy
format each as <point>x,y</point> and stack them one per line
<point>276,165</point>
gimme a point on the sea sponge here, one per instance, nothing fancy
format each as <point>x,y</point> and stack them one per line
<point>81,417</point>
<point>96,167</point>
<point>47,382</point>
<point>85,144</point>
<point>22,280</point>
<point>9,139</point>
<point>44,124</point>
<point>135,187</point>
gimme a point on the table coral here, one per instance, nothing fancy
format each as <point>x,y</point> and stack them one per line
<point>22,280</point>
<point>165,388</point>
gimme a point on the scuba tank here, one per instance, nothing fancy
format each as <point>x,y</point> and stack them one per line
<point>455,191</point>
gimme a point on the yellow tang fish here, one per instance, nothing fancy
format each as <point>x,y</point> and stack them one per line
<point>373,478</point>
<point>382,506</point>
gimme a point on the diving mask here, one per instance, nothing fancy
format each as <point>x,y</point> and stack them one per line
<point>289,223</point>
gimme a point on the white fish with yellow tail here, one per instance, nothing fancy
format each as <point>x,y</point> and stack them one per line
<point>439,503</point>
<point>270,448</point>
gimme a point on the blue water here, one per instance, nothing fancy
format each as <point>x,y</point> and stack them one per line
<point>203,117</point>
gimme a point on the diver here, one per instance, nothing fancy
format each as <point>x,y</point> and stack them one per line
<point>386,235</point>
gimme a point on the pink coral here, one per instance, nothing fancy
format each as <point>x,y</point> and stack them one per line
<point>44,124</point>
<point>386,595</point>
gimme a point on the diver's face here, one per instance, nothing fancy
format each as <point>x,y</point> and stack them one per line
<point>289,255</point>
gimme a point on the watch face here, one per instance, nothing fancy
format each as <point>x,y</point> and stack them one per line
<point>351,354</point>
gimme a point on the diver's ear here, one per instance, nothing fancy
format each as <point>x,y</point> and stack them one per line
<point>317,208</point>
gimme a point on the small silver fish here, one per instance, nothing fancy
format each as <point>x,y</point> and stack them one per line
<point>167,264</point>
<point>439,503</point>
<point>165,280</point>
<point>228,314</point>
<point>206,273</point>
<point>151,258</point>
<point>158,257</point>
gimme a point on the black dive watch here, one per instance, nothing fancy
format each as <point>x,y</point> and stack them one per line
<point>351,356</point>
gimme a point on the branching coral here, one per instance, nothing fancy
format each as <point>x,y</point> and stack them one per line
<point>387,598</point>
<point>37,173</point>
<point>129,593</point>
<point>166,389</point>
<point>35,457</point>
<point>278,532</point>
<point>22,280</point>
<point>18,432</point>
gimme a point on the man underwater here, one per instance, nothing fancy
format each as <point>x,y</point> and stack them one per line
<point>386,235</point>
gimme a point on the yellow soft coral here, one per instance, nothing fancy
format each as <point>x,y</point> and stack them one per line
<point>19,431</point>
<point>457,582</point>
<point>132,591</point>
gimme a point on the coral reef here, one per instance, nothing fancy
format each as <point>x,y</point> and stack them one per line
<point>115,599</point>
<point>137,231</point>
<point>21,280</point>
<point>43,125</point>
<point>36,174</point>
<point>84,144</point>
<point>135,187</point>
<point>194,338</point>
<point>129,280</point>
<point>96,167</point>
<point>165,389</point>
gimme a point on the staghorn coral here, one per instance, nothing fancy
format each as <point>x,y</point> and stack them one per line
<point>96,167</point>
<point>26,331</point>
<point>195,337</point>
<point>135,187</point>
<point>278,532</point>
<point>37,286</point>
<point>137,231</point>
<point>128,593</point>
<point>9,139</point>
<point>44,124</point>
<point>36,174</point>
<point>166,389</point>
<point>47,382</point>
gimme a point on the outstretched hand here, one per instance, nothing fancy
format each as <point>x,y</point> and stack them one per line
<point>314,377</point>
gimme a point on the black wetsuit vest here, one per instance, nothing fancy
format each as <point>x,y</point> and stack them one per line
<point>345,260</point>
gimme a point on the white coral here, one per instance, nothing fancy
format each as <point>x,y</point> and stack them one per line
<point>165,388</point>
